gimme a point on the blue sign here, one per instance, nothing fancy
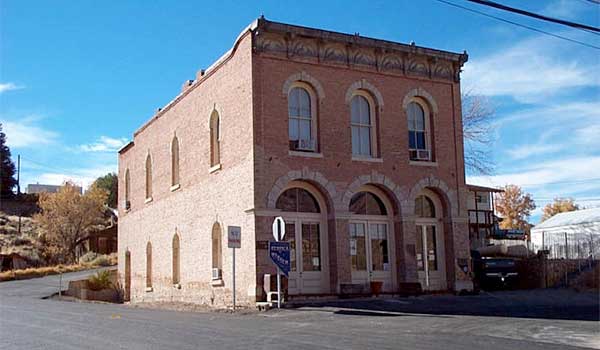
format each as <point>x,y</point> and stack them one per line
<point>279,252</point>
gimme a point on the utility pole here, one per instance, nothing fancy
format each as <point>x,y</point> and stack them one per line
<point>19,188</point>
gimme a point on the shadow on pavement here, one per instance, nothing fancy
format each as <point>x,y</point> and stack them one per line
<point>559,304</point>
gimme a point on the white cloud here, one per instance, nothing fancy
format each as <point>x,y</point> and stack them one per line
<point>526,151</point>
<point>564,9</point>
<point>4,87</point>
<point>104,144</point>
<point>25,133</point>
<point>80,176</point>
<point>531,70</point>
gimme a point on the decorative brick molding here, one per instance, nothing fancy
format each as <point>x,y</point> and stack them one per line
<point>422,93</point>
<point>363,84</point>
<point>327,187</point>
<point>448,195</point>
<point>399,192</point>
<point>304,77</point>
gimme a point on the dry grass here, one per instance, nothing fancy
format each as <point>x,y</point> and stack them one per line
<point>35,272</point>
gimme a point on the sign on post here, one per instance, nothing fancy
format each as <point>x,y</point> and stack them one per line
<point>234,237</point>
<point>278,229</point>
<point>279,252</point>
<point>234,240</point>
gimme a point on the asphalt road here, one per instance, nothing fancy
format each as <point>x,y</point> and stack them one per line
<point>29,322</point>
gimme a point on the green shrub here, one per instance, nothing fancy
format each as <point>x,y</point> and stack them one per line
<point>100,281</point>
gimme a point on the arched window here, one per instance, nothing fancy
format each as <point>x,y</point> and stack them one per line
<point>215,139</point>
<point>361,121</point>
<point>148,177</point>
<point>297,200</point>
<point>418,133</point>
<point>424,207</point>
<point>217,261</point>
<point>302,125</point>
<point>366,203</point>
<point>149,265</point>
<point>127,190</point>
<point>175,161</point>
<point>176,259</point>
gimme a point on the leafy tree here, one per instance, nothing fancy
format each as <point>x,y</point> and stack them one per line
<point>7,168</point>
<point>560,205</point>
<point>109,183</point>
<point>478,133</point>
<point>67,218</point>
<point>514,207</point>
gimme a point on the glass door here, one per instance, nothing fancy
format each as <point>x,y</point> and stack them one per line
<point>430,257</point>
<point>305,257</point>
<point>369,252</point>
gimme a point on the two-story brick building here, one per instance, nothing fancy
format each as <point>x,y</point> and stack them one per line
<point>355,142</point>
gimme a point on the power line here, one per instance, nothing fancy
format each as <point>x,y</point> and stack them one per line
<point>595,2</point>
<point>563,182</point>
<point>535,15</point>
<point>520,25</point>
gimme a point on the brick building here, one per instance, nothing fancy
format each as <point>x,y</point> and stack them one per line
<point>355,142</point>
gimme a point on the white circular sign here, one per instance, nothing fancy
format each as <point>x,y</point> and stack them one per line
<point>278,228</point>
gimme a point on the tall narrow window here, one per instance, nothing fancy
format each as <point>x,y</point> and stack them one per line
<point>217,262</point>
<point>127,190</point>
<point>215,139</point>
<point>176,259</point>
<point>301,120</point>
<point>148,265</point>
<point>148,177</point>
<point>418,144</point>
<point>175,161</point>
<point>362,127</point>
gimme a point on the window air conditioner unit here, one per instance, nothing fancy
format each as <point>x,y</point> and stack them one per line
<point>306,145</point>
<point>420,154</point>
<point>216,274</point>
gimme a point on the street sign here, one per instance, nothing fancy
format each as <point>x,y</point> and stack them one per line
<point>234,237</point>
<point>278,229</point>
<point>279,252</point>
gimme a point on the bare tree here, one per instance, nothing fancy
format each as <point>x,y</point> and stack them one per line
<point>478,133</point>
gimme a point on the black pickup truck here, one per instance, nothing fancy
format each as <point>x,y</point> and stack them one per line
<point>494,272</point>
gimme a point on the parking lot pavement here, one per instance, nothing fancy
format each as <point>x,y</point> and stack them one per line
<point>559,304</point>
<point>28,322</point>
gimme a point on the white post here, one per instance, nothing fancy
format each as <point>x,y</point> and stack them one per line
<point>60,284</point>
<point>278,289</point>
<point>233,278</point>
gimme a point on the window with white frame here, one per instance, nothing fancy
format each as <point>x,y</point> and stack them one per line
<point>418,133</point>
<point>175,161</point>
<point>361,121</point>
<point>148,177</point>
<point>215,139</point>
<point>302,127</point>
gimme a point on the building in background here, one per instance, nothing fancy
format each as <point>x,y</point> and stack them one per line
<point>570,235</point>
<point>355,142</point>
<point>39,188</point>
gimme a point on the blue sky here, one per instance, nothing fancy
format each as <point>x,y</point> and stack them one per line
<point>78,77</point>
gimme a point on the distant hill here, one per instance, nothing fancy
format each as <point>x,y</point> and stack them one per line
<point>23,243</point>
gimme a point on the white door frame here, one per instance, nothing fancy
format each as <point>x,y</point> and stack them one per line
<point>433,280</point>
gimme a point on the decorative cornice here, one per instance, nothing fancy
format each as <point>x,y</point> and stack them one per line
<point>353,51</point>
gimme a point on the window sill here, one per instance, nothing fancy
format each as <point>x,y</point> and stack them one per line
<point>427,163</point>
<point>217,283</point>
<point>305,154</point>
<point>149,289</point>
<point>148,200</point>
<point>175,187</point>
<point>214,168</point>
<point>367,159</point>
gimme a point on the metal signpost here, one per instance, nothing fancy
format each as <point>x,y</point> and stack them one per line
<point>279,252</point>
<point>234,240</point>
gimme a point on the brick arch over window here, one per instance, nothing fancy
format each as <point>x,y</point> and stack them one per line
<point>423,95</point>
<point>396,194</point>
<point>303,77</point>
<point>363,84</point>
<point>326,187</point>
<point>447,195</point>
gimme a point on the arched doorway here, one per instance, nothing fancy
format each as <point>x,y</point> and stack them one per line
<point>371,237</point>
<point>430,251</point>
<point>303,210</point>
